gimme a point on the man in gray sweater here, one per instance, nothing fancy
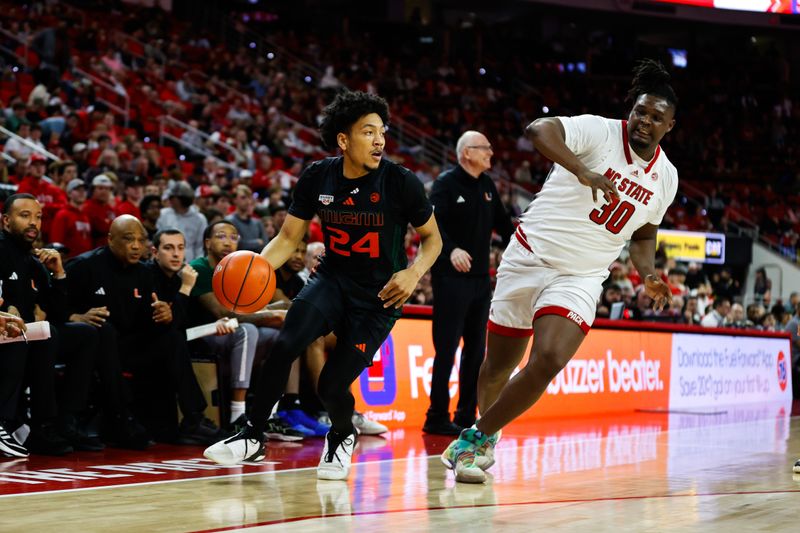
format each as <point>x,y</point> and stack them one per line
<point>184,216</point>
<point>251,230</point>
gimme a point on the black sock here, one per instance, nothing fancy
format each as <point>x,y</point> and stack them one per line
<point>288,402</point>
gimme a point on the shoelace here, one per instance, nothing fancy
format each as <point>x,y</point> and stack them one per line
<point>332,451</point>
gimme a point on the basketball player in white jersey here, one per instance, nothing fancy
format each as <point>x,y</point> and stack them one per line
<point>551,274</point>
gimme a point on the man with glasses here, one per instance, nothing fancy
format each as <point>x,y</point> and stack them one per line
<point>220,239</point>
<point>468,210</point>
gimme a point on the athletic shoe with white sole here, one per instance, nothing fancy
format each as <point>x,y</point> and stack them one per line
<point>277,429</point>
<point>365,426</point>
<point>246,445</point>
<point>461,456</point>
<point>484,455</point>
<point>9,445</point>
<point>298,417</point>
<point>336,456</point>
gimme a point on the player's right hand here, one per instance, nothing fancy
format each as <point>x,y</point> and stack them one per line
<point>461,260</point>
<point>599,182</point>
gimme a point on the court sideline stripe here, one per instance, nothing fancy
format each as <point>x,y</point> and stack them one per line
<point>507,504</point>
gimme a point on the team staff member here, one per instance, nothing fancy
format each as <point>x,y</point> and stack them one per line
<point>32,277</point>
<point>365,203</point>
<point>467,209</point>
<point>116,292</point>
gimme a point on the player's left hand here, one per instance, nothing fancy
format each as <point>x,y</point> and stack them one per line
<point>51,259</point>
<point>658,291</point>
<point>162,312</point>
<point>398,289</point>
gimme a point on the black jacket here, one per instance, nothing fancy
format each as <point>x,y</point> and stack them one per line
<point>167,290</point>
<point>97,278</point>
<point>467,209</point>
<point>25,282</point>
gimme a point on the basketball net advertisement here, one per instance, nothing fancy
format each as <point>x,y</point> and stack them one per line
<point>614,371</point>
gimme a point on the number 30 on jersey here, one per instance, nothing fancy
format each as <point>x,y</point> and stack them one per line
<point>615,214</point>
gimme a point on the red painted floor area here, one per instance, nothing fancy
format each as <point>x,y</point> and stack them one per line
<point>167,463</point>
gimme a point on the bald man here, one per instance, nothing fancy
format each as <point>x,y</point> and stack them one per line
<point>112,290</point>
<point>468,209</point>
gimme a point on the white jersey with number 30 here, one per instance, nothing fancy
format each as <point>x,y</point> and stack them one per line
<point>578,236</point>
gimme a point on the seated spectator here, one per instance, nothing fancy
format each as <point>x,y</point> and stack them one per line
<point>251,230</point>
<point>690,313</point>
<point>184,216</point>
<point>716,318</point>
<point>611,294</point>
<point>71,225</point>
<point>63,172</point>
<point>736,318</point>
<point>137,332</point>
<point>99,209</point>
<point>174,283</point>
<point>150,207</point>
<point>220,239</point>
<point>50,197</point>
<point>15,147</point>
<point>762,286</point>
<point>676,280</point>
<point>134,191</point>
<point>755,313</point>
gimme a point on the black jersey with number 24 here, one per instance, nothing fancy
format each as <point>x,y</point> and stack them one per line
<point>364,220</point>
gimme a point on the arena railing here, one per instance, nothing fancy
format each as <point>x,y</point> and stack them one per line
<point>164,134</point>
<point>124,109</point>
<point>38,149</point>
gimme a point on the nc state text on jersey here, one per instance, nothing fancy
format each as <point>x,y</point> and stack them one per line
<point>629,187</point>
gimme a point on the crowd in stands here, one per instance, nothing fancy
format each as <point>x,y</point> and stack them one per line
<point>193,201</point>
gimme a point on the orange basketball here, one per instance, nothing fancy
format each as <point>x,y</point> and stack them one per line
<point>243,282</point>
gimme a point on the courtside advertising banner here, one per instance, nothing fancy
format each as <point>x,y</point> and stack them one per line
<point>718,370</point>
<point>614,371</point>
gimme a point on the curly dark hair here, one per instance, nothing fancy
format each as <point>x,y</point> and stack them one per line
<point>650,77</point>
<point>345,110</point>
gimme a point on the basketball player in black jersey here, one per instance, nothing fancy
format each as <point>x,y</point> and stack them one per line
<point>365,203</point>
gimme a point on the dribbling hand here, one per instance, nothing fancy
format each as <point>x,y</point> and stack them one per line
<point>658,291</point>
<point>599,182</point>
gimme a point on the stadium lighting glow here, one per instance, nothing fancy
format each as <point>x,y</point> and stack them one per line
<point>147,139</point>
<point>545,109</point>
<point>307,79</point>
<point>252,45</point>
<point>482,71</point>
<point>270,55</point>
<point>182,157</point>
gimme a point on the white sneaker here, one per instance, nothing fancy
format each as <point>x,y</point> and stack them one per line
<point>335,461</point>
<point>365,426</point>
<point>9,446</point>
<point>235,450</point>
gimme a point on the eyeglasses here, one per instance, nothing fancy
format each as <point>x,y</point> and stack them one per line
<point>482,147</point>
<point>226,237</point>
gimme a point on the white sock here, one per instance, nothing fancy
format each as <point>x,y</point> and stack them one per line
<point>237,410</point>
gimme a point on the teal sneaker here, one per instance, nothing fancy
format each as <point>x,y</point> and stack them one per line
<point>460,456</point>
<point>484,455</point>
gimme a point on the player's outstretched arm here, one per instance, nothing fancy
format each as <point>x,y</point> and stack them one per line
<point>283,245</point>
<point>548,136</point>
<point>643,253</point>
<point>402,283</point>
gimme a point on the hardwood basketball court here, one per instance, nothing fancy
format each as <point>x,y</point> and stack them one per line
<point>722,470</point>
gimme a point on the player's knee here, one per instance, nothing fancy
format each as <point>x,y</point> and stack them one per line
<point>549,361</point>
